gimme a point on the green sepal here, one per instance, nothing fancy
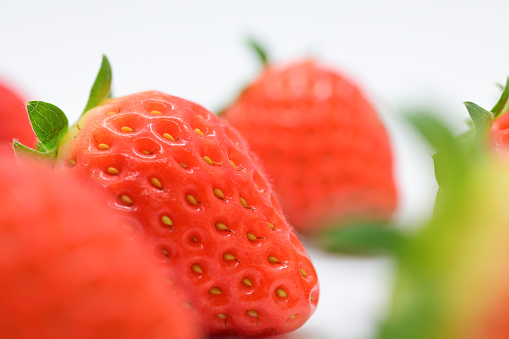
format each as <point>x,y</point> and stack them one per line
<point>49,124</point>
<point>259,50</point>
<point>450,159</point>
<point>502,105</point>
<point>368,238</point>
<point>22,151</point>
<point>481,118</point>
<point>102,85</point>
<point>436,261</point>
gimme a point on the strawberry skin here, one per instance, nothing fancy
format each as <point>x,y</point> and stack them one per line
<point>15,123</point>
<point>321,142</point>
<point>192,190</point>
<point>68,271</point>
<point>499,133</point>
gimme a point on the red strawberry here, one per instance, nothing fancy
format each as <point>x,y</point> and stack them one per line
<point>14,120</point>
<point>321,142</point>
<point>67,271</point>
<point>201,201</point>
<point>500,133</point>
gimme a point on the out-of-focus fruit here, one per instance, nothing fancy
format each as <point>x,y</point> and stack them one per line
<point>321,142</point>
<point>451,274</point>
<point>15,123</point>
<point>68,270</point>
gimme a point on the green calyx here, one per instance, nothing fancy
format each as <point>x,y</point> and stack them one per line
<point>259,51</point>
<point>363,239</point>
<point>502,105</point>
<point>50,124</point>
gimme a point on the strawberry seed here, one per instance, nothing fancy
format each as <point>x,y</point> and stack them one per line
<point>281,293</point>
<point>218,193</point>
<point>228,256</point>
<point>156,183</point>
<point>103,147</point>
<point>126,129</point>
<point>197,268</point>
<point>191,199</point>
<point>221,227</point>
<point>246,281</point>
<point>273,260</point>
<point>168,136</point>
<point>166,220</point>
<point>113,171</point>
<point>126,200</point>
<point>215,290</point>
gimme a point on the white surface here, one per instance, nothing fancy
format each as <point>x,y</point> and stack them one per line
<point>437,52</point>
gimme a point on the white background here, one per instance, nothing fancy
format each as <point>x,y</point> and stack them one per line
<point>434,53</point>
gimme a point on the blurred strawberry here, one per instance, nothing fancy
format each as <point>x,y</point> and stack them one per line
<point>452,276</point>
<point>68,271</point>
<point>321,142</point>
<point>15,123</point>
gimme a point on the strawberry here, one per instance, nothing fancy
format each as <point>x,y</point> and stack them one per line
<point>499,131</point>
<point>451,273</point>
<point>322,143</point>
<point>198,198</point>
<point>67,272</point>
<point>14,119</point>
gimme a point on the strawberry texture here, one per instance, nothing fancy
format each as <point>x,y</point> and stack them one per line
<point>321,142</point>
<point>68,271</point>
<point>191,189</point>
<point>499,133</point>
<point>15,123</point>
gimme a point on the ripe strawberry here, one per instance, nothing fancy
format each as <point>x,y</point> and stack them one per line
<point>500,132</point>
<point>321,142</point>
<point>15,123</point>
<point>67,272</point>
<point>199,199</point>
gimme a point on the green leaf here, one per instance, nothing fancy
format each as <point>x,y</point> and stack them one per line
<point>23,151</point>
<point>450,160</point>
<point>259,50</point>
<point>363,238</point>
<point>102,85</point>
<point>49,124</point>
<point>481,118</point>
<point>502,105</point>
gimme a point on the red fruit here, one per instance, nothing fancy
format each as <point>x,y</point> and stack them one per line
<point>199,198</point>
<point>321,142</point>
<point>68,271</point>
<point>15,123</point>
<point>204,206</point>
<point>499,133</point>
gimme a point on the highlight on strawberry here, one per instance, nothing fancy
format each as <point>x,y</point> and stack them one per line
<point>321,141</point>
<point>190,188</point>
<point>68,270</point>
<point>451,273</point>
